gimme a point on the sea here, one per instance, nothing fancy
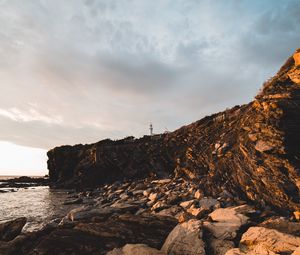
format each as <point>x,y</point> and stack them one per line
<point>40,205</point>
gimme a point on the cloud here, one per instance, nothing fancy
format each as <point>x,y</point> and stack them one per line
<point>93,69</point>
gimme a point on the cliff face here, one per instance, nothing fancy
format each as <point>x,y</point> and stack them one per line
<point>252,150</point>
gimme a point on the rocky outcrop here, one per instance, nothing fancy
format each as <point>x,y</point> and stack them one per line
<point>9,230</point>
<point>252,150</point>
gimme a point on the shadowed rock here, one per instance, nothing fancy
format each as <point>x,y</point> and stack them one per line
<point>9,230</point>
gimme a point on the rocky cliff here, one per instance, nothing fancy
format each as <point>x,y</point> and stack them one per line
<point>251,150</point>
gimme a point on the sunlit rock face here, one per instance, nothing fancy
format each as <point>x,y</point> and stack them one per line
<point>251,150</point>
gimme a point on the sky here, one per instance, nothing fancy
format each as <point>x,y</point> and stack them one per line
<point>78,71</point>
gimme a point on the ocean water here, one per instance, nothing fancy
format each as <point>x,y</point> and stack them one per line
<point>39,205</point>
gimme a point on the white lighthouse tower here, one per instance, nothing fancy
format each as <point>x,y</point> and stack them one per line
<point>151,129</point>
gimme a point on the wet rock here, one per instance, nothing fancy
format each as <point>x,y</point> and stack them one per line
<point>10,229</point>
<point>73,201</point>
<point>136,249</point>
<point>185,239</point>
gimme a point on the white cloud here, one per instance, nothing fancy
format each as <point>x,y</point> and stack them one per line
<point>31,114</point>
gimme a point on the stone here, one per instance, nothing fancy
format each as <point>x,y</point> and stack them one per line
<point>135,249</point>
<point>282,224</point>
<point>153,197</point>
<point>294,75</point>
<point>222,230</point>
<point>227,221</point>
<point>263,146</point>
<point>10,229</point>
<point>208,203</point>
<point>87,212</point>
<point>159,206</point>
<point>232,214</point>
<point>73,201</point>
<point>270,239</point>
<point>198,194</point>
<point>162,181</point>
<point>220,247</point>
<point>182,217</point>
<point>187,204</point>
<point>296,252</point>
<point>185,239</point>
<point>297,215</point>
<point>296,57</point>
<point>258,250</point>
<point>197,212</point>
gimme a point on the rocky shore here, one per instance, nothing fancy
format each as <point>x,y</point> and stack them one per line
<point>228,184</point>
<point>10,185</point>
<point>250,150</point>
<point>157,216</point>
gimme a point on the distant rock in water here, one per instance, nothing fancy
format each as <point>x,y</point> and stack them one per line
<point>252,150</point>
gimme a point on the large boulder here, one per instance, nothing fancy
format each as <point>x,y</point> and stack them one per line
<point>9,230</point>
<point>185,239</point>
<point>135,249</point>
<point>260,240</point>
<point>227,221</point>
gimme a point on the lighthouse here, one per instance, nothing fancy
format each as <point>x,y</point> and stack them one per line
<point>151,129</point>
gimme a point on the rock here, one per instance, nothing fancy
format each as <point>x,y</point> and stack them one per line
<point>182,217</point>
<point>87,212</point>
<point>220,247</point>
<point>197,212</point>
<point>227,221</point>
<point>185,239</point>
<point>153,197</point>
<point>222,230</point>
<point>159,206</point>
<point>198,194</point>
<point>270,239</point>
<point>282,225</point>
<point>10,229</point>
<point>294,75</point>
<point>232,214</point>
<point>136,249</point>
<point>297,251</point>
<point>296,57</point>
<point>263,146</point>
<point>163,181</point>
<point>187,204</point>
<point>258,250</point>
<point>73,201</point>
<point>208,203</point>
<point>297,215</point>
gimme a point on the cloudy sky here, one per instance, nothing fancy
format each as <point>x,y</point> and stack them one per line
<point>78,71</point>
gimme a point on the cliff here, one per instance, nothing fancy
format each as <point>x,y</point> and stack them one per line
<point>251,150</point>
